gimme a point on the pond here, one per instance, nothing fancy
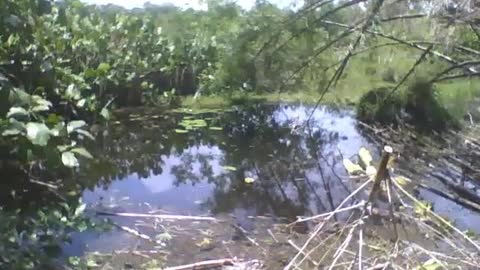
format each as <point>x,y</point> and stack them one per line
<point>252,167</point>
<point>148,163</point>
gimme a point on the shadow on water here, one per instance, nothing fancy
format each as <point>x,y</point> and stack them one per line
<point>142,164</point>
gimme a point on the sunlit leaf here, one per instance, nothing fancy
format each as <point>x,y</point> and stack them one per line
<point>230,168</point>
<point>15,127</point>
<point>76,124</point>
<point>401,180</point>
<point>85,133</point>
<point>72,92</point>
<point>81,102</point>
<point>40,108</point>
<point>16,111</point>
<point>82,152</point>
<point>38,133</point>
<point>69,159</point>
<point>370,170</point>
<point>249,180</point>
<point>365,157</point>
<point>105,113</point>
<point>80,209</point>
<point>181,131</point>
<point>215,128</point>
<point>431,264</point>
<point>352,168</point>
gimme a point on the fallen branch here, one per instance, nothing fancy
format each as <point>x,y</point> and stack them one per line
<point>204,264</point>
<point>134,232</point>
<point>175,217</point>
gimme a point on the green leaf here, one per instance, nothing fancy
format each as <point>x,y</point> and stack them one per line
<point>15,128</point>
<point>365,157</point>
<point>72,92</point>
<point>76,124</point>
<point>38,133</point>
<point>81,103</point>
<point>69,159</point>
<point>85,133</point>
<point>16,111</point>
<point>215,128</point>
<point>431,264</point>
<point>82,152</point>
<point>40,108</point>
<point>352,168</point>
<point>80,209</point>
<point>105,113</point>
<point>90,73</point>
<point>181,131</point>
<point>103,68</point>
<point>11,132</point>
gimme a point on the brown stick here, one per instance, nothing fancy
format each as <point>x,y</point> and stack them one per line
<point>381,172</point>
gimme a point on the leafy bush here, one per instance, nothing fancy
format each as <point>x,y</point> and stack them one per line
<point>375,107</point>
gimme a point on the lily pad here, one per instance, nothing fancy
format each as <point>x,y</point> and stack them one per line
<point>365,157</point>
<point>352,168</point>
<point>249,180</point>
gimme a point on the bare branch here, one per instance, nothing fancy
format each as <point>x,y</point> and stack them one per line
<point>418,62</point>
<point>403,17</point>
<point>408,43</point>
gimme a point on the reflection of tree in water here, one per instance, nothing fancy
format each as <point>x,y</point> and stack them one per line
<point>279,154</point>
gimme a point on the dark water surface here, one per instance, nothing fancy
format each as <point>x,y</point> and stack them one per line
<point>144,165</point>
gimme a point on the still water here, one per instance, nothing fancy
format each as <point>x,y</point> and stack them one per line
<point>196,164</point>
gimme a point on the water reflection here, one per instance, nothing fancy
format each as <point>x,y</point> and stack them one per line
<point>144,162</point>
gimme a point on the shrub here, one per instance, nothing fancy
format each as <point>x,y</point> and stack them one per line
<point>374,107</point>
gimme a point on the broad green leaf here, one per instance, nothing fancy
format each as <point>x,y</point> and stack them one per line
<point>82,152</point>
<point>38,133</point>
<point>17,111</point>
<point>352,168</point>
<point>69,159</point>
<point>103,68</point>
<point>365,157</point>
<point>76,124</point>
